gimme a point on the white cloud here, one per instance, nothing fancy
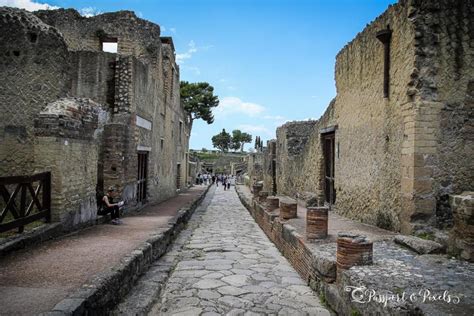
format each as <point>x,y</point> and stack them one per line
<point>192,48</point>
<point>274,117</point>
<point>27,4</point>
<point>173,30</point>
<point>193,69</point>
<point>162,28</point>
<point>89,12</point>
<point>253,129</point>
<point>180,58</point>
<point>234,105</point>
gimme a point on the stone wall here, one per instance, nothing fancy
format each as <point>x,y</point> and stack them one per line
<point>66,145</point>
<point>462,235</point>
<point>32,75</point>
<point>446,30</point>
<point>292,141</point>
<point>269,163</point>
<point>255,167</point>
<point>134,36</point>
<point>125,103</point>
<point>397,157</point>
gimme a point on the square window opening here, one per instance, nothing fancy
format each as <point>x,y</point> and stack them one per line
<point>110,46</point>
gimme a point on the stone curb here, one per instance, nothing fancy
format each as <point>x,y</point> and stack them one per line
<point>322,277</point>
<point>36,236</point>
<point>106,289</point>
<point>45,232</point>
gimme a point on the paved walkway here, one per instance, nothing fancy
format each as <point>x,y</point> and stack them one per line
<point>396,269</point>
<point>35,279</point>
<point>228,266</point>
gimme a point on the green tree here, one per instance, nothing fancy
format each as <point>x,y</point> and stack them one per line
<point>198,100</point>
<point>236,139</point>
<point>244,139</point>
<point>222,141</point>
<point>239,139</point>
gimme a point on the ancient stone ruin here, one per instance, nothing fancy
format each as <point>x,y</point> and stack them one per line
<point>397,140</point>
<point>96,102</point>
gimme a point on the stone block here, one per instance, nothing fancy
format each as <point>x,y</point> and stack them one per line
<point>273,203</point>
<point>419,245</point>
<point>353,250</point>
<point>317,222</point>
<point>262,196</point>
<point>462,235</point>
<point>256,188</point>
<point>288,208</point>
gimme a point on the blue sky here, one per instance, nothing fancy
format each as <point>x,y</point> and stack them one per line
<point>270,61</point>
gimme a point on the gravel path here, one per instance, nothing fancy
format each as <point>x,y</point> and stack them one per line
<point>228,266</point>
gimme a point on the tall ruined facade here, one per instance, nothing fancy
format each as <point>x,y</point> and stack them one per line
<point>398,138</point>
<point>93,118</point>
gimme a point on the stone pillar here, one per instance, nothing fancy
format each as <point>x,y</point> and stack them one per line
<point>262,196</point>
<point>256,189</point>
<point>288,209</point>
<point>419,153</point>
<point>317,222</point>
<point>462,235</point>
<point>353,250</point>
<point>273,203</point>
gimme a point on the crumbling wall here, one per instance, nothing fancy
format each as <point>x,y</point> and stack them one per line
<point>292,141</point>
<point>255,167</point>
<point>134,36</point>
<point>66,145</point>
<point>462,235</point>
<point>269,167</point>
<point>93,76</point>
<point>138,88</point>
<point>446,31</point>
<point>367,126</point>
<point>32,74</point>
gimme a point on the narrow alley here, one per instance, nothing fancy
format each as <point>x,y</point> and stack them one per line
<point>223,264</point>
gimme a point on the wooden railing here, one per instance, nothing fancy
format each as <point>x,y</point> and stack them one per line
<point>26,199</point>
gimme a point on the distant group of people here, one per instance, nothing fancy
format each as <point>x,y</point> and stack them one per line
<point>225,180</point>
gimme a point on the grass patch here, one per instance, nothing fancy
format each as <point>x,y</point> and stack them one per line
<point>426,236</point>
<point>355,312</point>
<point>322,298</point>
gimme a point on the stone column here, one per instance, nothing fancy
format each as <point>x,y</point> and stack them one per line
<point>288,208</point>
<point>262,196</point>
<point>419,154</point>
<point>273,203</point>
<point>256,190</point>
<point>317,222</point>
<point>353,250</point>
<point>462,235</point>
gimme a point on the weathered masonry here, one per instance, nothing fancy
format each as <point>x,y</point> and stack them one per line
<point>398,138</point>
<point>96,102</point>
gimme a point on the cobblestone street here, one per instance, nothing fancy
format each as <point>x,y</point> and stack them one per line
<point>228,266</point>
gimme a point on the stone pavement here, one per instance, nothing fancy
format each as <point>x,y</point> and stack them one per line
<point>35,279</point>
<point>403,281</point>
<point>229,266</point>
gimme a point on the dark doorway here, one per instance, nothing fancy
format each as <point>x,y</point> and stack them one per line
<point>274,180</point>
<point>142,176</point>
<point>178,177</point>
<point>328,152</point>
